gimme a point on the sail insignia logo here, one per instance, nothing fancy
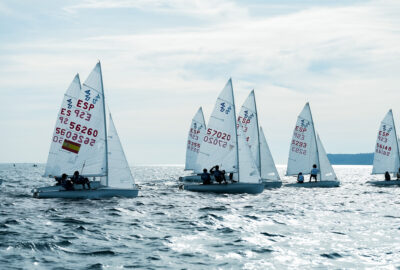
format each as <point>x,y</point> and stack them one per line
<point>305,123</point>
<point>386,130</point>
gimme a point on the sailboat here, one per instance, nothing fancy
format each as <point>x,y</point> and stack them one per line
<point>195,139</point>
<point>306,150</point>
<point>255,138</point>
<point>80,143</point>
<point>221,145</point>
<point>386,156</point>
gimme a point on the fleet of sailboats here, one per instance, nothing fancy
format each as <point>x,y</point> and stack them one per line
<point>82,142</point>
<point>386,155</point>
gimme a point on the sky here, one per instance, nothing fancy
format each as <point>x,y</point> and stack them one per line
<point>162,60</point>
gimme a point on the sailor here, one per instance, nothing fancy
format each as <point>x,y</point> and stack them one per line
<point>314,172</point>
<point>60,180</point>
<point>79,179</point>
<point>300,178</point>
<point>206,177</point>
<point>67,184</point>
<point>398,175</point>
<point>223,176</point>
<point>387,176</point>
<point>217,174</point>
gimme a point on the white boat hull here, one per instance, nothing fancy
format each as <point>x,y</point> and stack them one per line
<point>318,184</point>
<point>271,184</point>
<point>234,188</point>
<point>93,185</point>
<point>385,183</point>
<point>100,193</point>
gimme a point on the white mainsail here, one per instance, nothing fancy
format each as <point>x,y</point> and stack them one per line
<point>248,171</point>
<point>78,142</point>
<point>119,173</point>
<point>386,156</point>
<point>303,148</point>
<point>194,141</point>
<point>248,118</point>
<point>219,146</point>
<point>268,168</point>
<point>326,171</point>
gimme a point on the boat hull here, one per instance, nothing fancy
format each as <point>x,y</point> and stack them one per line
<point>319,184</point>
<point>193,178</point>
<point>385,183</point>
<point>271,184</point>
<point>100,193</point>
<point>93,185</point>
<point>234,188</point>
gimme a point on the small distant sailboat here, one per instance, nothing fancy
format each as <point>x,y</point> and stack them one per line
<point>221,145</point>
<point>386,156</point>
<point>195,139</point>
<point>80,143</point>
<point>248,118</point>
<point>306,149</point>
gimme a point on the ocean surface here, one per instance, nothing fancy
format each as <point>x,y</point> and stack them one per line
<point>353,226</point>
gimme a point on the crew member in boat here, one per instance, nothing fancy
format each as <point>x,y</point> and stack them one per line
<point>398,175</point>
<point>217,174</point>
<point>206,177</point>
<point>79,179</point>
<point>300,178</point>
<point>314,172</point>
<point>61,180</point>
<point>224,177</point>
<point>387,176</point>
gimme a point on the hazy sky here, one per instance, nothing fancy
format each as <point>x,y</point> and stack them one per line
<point>163,59</point>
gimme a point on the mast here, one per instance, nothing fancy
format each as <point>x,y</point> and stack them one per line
<point>397,141</point>
<point>105,122</point>
<point>316,144</point>
<point>237,145</point>
<point>258,132</point>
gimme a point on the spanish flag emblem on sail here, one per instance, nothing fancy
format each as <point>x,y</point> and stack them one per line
<point>71,146</point>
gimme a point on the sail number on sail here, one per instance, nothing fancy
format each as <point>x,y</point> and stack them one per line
<point>245,120</point>
<point>217,137</point>
<point>70,134</point>
<point>298,144</point>
<point>381,148</point>
<point>194,135</point>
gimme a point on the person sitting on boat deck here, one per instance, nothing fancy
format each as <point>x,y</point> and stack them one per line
<point>300,178</point>
<point>217,174</point>
<point>206,177</point>
<point>79,179</point>
<point>60,180</point>
<point>398,175</point>
<point>68,185</point>
<point>223,176</point>
<point>314,172</point>
<point>387,176</point>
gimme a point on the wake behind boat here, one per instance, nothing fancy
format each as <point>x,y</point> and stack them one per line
<point>80,143</point>
<point>221,146</point>
<point>307,155</point>
<point>386,156</point>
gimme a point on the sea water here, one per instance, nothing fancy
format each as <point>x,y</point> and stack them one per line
<point>353,226</point>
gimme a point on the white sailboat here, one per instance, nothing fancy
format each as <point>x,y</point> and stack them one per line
<point>248,118</point>
<point>195,139</point>
<point>386,156</point>
<point>221,145</point>
<point>306,150</point>
<point>80,143</point>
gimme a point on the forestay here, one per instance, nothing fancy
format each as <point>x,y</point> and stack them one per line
<point>219,146</point>
<point>119,173</point>
<point>326,171</point>
<point>303,147</point>
<point>248,171</point>
<point>78,142</point>
<point>194,141</point>
<point>268,168</point>
<point>386,156</point>
<point>248,118</point>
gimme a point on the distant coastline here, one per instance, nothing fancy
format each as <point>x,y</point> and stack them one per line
<point>351,159</point>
